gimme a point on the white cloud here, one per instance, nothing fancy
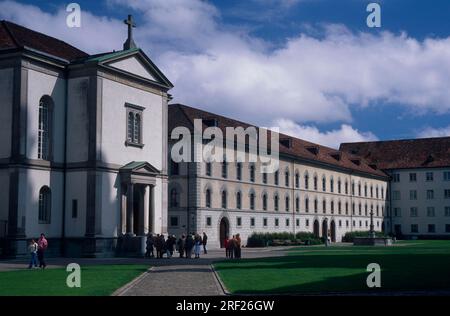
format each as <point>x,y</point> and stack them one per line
<point>434,132</point>
<point>97,34</point>
<point>329,138</point>
<point>308,79</point>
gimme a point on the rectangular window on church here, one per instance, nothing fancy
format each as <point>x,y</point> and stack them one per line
<point>74,208</point>
<point>208,221</point>
<point>134,125</point>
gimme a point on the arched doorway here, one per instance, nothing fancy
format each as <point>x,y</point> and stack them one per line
<point>333,231</point>
<point>224,231</point>
<point>325,228</point>
<point>316,229</point>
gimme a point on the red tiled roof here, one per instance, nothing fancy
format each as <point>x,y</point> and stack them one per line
<point>404,154</point>
<point>182,115</point>
<point>16,36</point>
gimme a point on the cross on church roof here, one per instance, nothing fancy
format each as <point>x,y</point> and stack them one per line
<point>129,44</point>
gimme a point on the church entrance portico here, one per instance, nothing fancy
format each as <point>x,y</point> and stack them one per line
<point>137,208</point>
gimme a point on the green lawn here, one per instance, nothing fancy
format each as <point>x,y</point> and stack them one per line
<point>411,265</point>
<point>95,280</point>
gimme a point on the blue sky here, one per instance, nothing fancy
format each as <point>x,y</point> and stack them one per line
<point>311,66</point>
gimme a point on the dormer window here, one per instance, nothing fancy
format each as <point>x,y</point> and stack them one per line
<point>286,142</point>
<point>356,161</point>
<point>211,122</point>
<point>313,150</point>
<point>336,156</point>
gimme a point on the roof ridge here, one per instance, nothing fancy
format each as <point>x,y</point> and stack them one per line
<point>7,25</point>
<point>329,151</point>
<point>400,140</point>
<point>10,33</point>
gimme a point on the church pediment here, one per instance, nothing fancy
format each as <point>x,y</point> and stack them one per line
<point>134,66</point>
<point>140,167</point>
<point>132,62</point>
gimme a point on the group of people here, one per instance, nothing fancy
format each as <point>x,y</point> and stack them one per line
<point>233,247</point>
<point>37,251</point>
<point>185,245</point>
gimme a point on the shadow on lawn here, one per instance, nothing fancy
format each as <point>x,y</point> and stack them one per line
<point>399,272</point>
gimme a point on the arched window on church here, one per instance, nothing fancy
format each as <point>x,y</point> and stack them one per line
<point>44,127</point>
<point>208,198</point>
<point>252,173</point>
<point>252,200</point>
<point>174,197</point>
<point>45,205</point>
<point>265,202</point>
<point>238,200</point>
<point>224,199</point>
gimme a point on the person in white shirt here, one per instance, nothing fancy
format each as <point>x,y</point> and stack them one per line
<point>33,248</point>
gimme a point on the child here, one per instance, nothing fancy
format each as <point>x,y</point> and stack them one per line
<point>33,248</point>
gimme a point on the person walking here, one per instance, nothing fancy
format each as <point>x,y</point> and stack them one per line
<point>197,247</point>
<point>232,246</point>
<point>238,246</point>
<point>204,242</point>
<point>163,246</point>
<point>227,247</point>
<point>189,245</point>
<point>158,246</point>
<point>33,248</point>
<point>169,246</point>
<point>181,245</point>
<point>42,247</point>
<point>150,248</point>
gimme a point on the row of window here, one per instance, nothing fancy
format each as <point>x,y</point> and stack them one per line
<point>414,211</point>
<point>252,172</point>
<point>276,203</point>
<point>174,222</point>
<point>429,176</point>
<point>431,228</point>
<point>396,195</point>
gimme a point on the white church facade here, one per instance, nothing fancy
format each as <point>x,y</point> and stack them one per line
<point>83,145</point>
